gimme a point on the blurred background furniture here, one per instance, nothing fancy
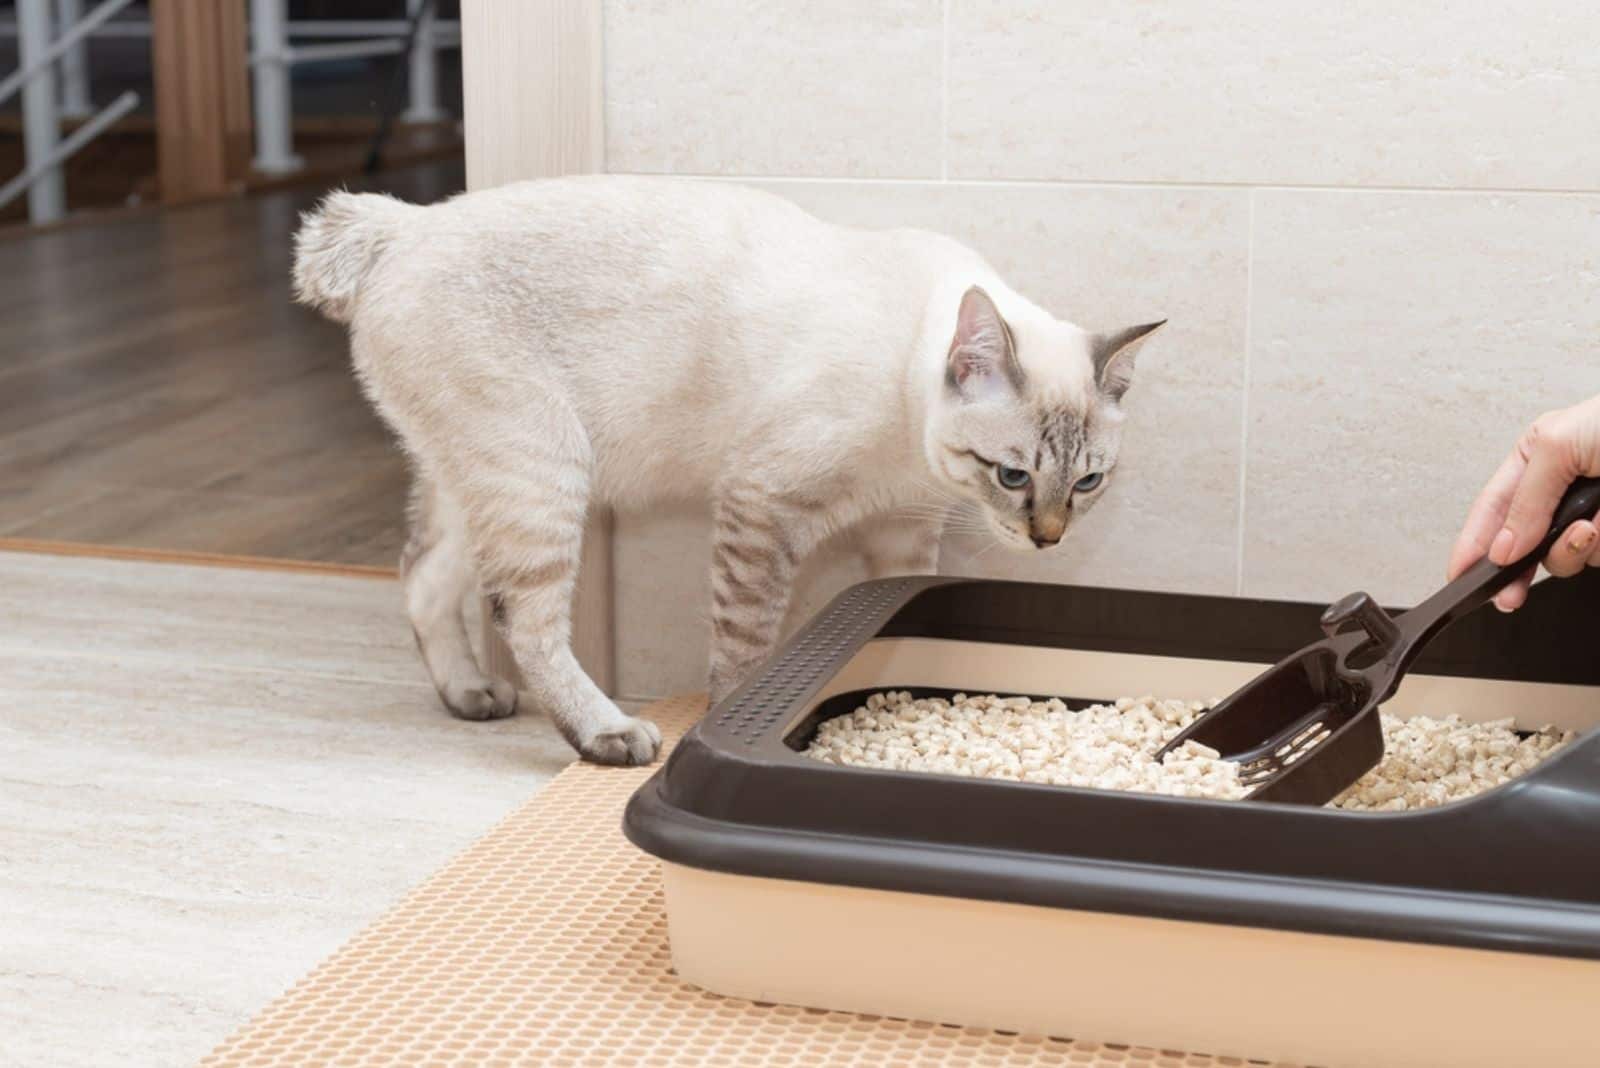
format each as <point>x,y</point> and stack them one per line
<point>206,98</point>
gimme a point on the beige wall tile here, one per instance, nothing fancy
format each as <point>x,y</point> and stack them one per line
<point>725,87</point>
<point>1432,93</point>
<point>1400,341</point>
<point>662,563</point>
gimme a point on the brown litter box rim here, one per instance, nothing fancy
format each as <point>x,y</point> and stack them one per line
<point>735,798</point>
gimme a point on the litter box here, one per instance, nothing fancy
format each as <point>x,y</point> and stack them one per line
<point>1464,935</point>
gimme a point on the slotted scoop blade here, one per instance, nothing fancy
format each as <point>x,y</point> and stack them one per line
<point>1299,733</point>
<point>1307,728</point>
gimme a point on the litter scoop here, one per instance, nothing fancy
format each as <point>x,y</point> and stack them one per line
<point>1306,729</point>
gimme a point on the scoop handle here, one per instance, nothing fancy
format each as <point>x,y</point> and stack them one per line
<point>1484,579</point>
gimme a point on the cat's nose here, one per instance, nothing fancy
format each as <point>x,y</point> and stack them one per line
<point>1047,530</point>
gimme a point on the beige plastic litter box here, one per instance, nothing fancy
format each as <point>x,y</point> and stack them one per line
<point>1460,936</point>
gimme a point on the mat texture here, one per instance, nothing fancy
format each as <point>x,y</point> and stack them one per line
<point>545,943</point>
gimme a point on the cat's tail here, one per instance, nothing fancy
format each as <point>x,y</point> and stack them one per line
<point>337,245</point>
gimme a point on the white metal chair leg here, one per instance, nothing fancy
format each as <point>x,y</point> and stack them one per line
<point>75,99</point>
<point>424,80</point>
<point>274,112</point>
<point>41,120</point>
<point>64,149</point>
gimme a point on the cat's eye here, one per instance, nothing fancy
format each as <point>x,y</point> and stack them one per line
<point>1012,478</point>
<point>1089,483</point>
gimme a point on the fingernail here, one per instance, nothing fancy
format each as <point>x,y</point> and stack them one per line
<point>1500,551</point>
<point>1501,607</point>
<point>1582,540</point>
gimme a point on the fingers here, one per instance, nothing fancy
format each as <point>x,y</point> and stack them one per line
<point>1513,596</point>
<point>1578,548</point>
<point>1552,465</point>
<point>1488,515</point>
<point>1512,514</point>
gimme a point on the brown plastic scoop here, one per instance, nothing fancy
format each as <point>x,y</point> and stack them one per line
<point>1305,730</point>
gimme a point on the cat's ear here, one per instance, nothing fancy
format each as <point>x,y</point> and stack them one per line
<point>1114,355</point>
<point>982,359</point>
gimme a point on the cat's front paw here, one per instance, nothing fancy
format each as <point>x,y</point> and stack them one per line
<point>480,699</point>
<point>629,744</point>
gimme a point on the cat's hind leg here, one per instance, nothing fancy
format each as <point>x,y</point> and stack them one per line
<point>525,518</point>
<point>438,575</point>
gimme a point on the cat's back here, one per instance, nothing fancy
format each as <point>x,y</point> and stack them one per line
<point>604,243</point>
<point>631,220</point>
<point>704,305</point>
<point>708,270</point>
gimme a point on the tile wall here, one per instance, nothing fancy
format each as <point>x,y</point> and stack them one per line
<point>1375,230</point>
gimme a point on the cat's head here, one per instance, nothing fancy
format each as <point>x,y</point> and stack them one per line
<point>1028,419</point>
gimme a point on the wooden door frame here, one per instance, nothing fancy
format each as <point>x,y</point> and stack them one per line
<point>200,68</point>
<point>533,101</point>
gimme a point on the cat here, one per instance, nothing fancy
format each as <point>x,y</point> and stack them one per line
<point>551,346</point>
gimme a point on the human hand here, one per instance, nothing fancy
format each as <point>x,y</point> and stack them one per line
<point>1512,514</point>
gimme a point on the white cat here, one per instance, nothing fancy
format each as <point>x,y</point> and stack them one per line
<point>550,345</point>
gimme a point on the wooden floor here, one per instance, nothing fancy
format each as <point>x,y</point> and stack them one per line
<point>159,390</point>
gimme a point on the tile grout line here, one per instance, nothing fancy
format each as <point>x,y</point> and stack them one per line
<point>1244,393</point>
<point>1103,183</point>
<point>944,93</point>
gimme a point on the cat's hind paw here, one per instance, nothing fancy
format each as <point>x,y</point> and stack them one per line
<point>631,743</point>
<point>481,699</point>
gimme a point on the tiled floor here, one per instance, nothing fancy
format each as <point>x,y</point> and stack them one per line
<point>209,779</point>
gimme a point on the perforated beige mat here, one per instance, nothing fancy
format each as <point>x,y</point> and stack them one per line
<point>545,943</point>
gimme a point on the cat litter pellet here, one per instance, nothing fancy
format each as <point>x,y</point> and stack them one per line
<point>1426,761</point>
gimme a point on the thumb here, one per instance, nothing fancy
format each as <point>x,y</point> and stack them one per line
<point>1552,467</point>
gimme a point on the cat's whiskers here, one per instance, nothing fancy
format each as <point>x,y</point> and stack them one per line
<point>985,551</point>
<point>976,528</point>
<point>922,511</point>
<point>954,518</point>
<point>941,492</point>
